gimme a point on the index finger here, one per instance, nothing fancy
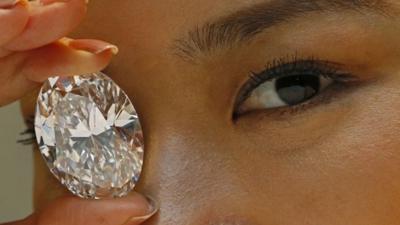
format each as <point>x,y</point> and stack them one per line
<point>49,21</point>
<point>12,20</point>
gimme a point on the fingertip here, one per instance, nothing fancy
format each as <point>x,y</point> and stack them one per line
<point>60,59</point>
<point>152,210</point>
<point>89,61</point>
<point>95,54</point>
<point>90,45</point>
<point>103,59</point>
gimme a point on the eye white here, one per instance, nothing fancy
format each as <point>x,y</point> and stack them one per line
<point>266,96</point>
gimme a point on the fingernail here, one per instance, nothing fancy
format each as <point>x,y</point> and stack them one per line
<point>153,209</point>
<point>92,46</point>
<point>99,50</point>
<point>4,4</point>
<point>48,2</point>
<point>114,49</point>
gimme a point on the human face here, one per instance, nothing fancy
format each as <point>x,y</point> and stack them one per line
<point>209,160</point>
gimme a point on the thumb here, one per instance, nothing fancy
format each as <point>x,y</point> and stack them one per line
<point>131,210</point>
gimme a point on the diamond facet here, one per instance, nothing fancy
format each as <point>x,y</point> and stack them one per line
<point>89,135</point>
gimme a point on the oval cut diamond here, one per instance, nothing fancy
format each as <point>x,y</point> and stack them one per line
<point>89,135</point>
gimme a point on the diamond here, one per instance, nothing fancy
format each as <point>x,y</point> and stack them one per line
<point>89,135</point>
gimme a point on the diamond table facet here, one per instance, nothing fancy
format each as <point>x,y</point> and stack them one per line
<point>89,135</point>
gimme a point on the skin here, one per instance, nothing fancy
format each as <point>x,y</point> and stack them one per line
<point>334,162</point>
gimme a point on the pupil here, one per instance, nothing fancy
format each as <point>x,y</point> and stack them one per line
<point>294,90</point>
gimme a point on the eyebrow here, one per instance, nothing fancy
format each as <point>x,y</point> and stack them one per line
<point>245,24</point>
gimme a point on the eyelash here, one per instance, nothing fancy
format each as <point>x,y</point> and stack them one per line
<point>293,65</point>
<point>30,131</point>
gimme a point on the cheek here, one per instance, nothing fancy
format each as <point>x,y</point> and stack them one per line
<point>336,163</point>
<point>372,131</point>
<point>358,165</point>
<point>372,135</point>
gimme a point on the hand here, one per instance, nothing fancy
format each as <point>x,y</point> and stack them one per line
<point>131,210</point>
<point>33,46</point>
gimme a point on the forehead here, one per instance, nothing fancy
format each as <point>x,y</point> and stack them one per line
<point>149,21</point>
<point>145,31</point>
<point>151,25</point>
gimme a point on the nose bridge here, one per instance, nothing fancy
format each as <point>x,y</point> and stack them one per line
<point>188,136</point>
<point>186,116</point>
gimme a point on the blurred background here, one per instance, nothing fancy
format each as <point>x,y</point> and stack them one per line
<point>16,166</point>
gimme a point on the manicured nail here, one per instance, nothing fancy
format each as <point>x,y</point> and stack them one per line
<point>4,4</point>
<point>112,48</point>
<point>92,46</point>
<point>48,2</point>
<point>153,209</point>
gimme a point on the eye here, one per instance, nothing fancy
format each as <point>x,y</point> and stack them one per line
<point>287,85</point>
<point>285,91</point>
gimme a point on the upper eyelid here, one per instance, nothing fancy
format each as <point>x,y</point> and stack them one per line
<point>276,68</point>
